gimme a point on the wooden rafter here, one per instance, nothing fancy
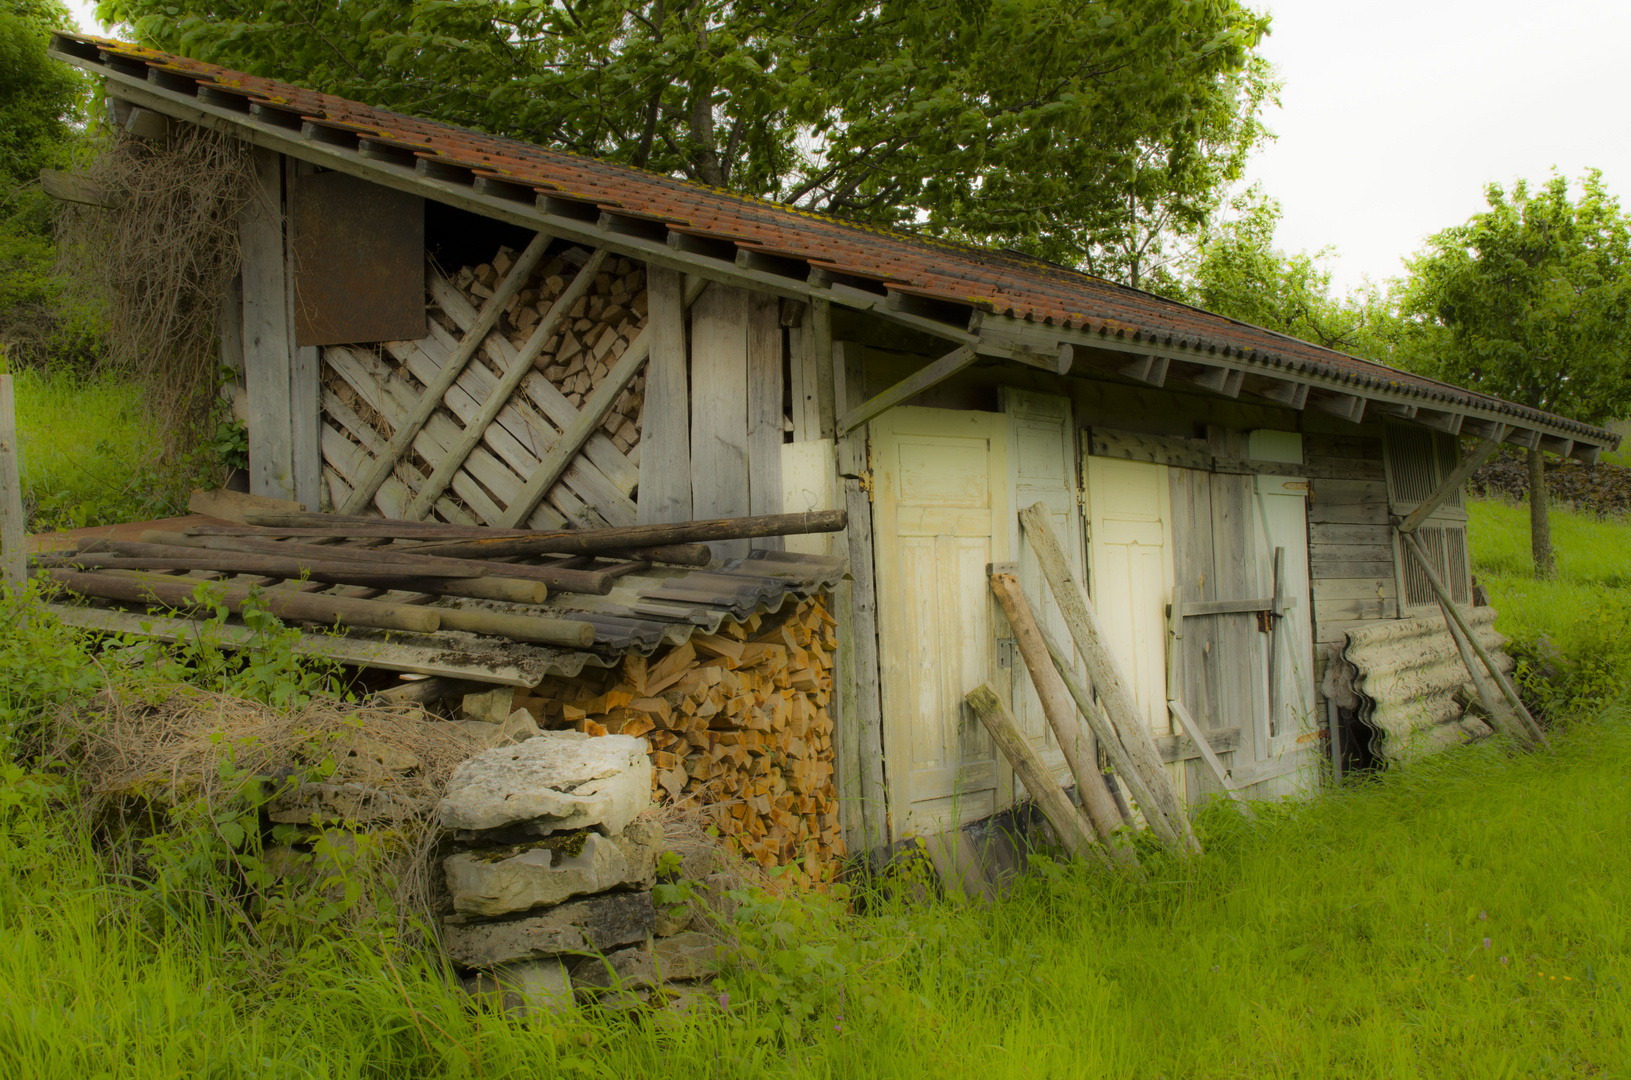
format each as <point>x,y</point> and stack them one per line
<point>909,387</point>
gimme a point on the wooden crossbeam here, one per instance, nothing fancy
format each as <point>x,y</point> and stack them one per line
<point>507,384</point>
<point>402,438</point>
<point>594,411</point>
<point>909,387</point>
<point>1452,483</point>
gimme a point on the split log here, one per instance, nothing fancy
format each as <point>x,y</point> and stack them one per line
<point>289,606</point>
<point>1104,669</point>
<point>233,505</point>
<point>1081,757</point>
<point>1050,798</point>
<point>428,690</point>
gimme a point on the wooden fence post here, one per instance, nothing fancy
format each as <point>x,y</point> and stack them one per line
<point>13,528</point>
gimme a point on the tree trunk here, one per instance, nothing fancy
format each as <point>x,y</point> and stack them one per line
<point>1540,527</point>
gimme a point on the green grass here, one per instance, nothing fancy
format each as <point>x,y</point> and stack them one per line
<point>89,453</point>
<point>1570,630</point>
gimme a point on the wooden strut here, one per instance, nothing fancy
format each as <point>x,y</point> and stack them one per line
<point>909,387</point>
<point>1081,757</point>
<point>1104,669</point>
<point>1123,762</point>
<point>1470,464</point>
<point>519,368</point>
<point>1526,725</point>
<point>362,495</point>
<point>1197,735</point>
<point>595,408</point>
<point>1072,831</point>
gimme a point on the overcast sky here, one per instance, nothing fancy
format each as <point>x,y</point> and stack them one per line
<point>1396,113</point>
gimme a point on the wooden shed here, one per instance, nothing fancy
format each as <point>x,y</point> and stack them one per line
<point>435,323</point>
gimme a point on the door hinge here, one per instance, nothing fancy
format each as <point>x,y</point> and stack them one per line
<point>1005,653</point>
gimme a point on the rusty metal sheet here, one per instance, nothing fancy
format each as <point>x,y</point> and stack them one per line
<point>358,251</point>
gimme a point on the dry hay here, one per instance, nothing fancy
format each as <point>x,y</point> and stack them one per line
<point>138,758</point>
<point>161,258</point>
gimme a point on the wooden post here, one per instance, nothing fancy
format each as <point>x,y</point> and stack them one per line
<point>1050,797</point>
<point>1057,706</point>
<point>1123,762</point>
<point>268,335</point>
<point>1102,667</point>
<point>665,434</point>
<point>13,526</point>
<point>764,379</point>
<point>1500,714</point>
<point>821,347</point>
<point>1454,613</point>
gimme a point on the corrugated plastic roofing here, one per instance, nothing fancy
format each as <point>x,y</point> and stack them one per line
<point>1001,283</point>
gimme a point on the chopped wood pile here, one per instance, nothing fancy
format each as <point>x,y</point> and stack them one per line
<point>596,331</point>
<point>740,722</point>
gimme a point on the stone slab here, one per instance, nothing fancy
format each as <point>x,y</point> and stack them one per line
<point>503,880</point>
<point>555,781</point>
<point>598,924</point>
<point>531,988</point>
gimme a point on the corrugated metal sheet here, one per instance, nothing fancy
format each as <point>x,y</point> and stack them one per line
<point>891,261</point>
<point>1405,675</point>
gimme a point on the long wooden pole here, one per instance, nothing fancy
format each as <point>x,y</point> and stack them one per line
<point>593,541</point>
<point>1119,757</point>
<point>1072,831</point>
<point>13,526</point>
<point>1508,691</point>
<point>1074,743</point>
<point>1500,713</point>
<point>1102,667</point>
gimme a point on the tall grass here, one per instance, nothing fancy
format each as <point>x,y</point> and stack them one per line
<point>90,453</point>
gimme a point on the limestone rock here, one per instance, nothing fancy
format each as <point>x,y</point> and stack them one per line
<point>598,924</point>
<point>641,842</point>
<point>496,882</point>
<point>555,781</point>
<point>671,919</point>
<point>686,956</point>
<point>485,735</point>
<point>530,988</point>
<point>361,804</point>
<point>624,969</point>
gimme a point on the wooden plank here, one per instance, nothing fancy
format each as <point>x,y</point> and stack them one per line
<point>1376,588</point>
<point>909,387</point>
<point>665,433</point>
<point>1182,747</point>
<point>806,405</point>
<point>1199,740</point>
<point>474,337</point>
<point>1242,700</point>
<point>822,354</point>
<point>1339,489</point>
<point>1195,608</point>
<point>719,409</point>
<point>268,337</point>
<point>764,386</point>
<point>1157,449</point>
<point>865,720</point>
<point>1329,534</point>
<point>508,383</point>
<point>1320,567</point>
<point>1368,512</point>
<point>1192,564</point>
<point>13,525</point>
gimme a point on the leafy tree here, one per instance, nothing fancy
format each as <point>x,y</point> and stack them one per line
<point>1084,131</point>
<point>1234,269</point>
<point>1529,300</point>
<point>41,108</point>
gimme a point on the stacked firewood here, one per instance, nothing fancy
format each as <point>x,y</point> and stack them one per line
<point>740,722</point>
<point>596,332</point>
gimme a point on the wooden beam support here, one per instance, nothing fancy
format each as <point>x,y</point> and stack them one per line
<point>1393,408</point>
<point>764,391</point>
<point>1293,395</point>
<point>1586,453</point>
<point>1452,483</point>
<point>909,387</point>
<point>362,495</point>
<point>1219,380</point>
<point>1197,735</point>
<point>1438,420</point>
<point>1067,824</point>
<point>522,506</point>
<point>1527,438</point>
<point>1555,445</point>
<point>1148,369</point>
<point>719,410</point>
<point>1343,406</point>
<point>665,424</point>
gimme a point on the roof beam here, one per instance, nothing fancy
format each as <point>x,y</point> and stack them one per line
<point>1438,420</point>
<point>909,387</point>
<point>1554,445</point>
<point>1218,379</point>
<point>1528,438</point>
<point>1342,405</point>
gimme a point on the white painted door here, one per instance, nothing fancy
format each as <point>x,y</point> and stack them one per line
<point>1280,521</point>
<point>1129,511</point>
<point>940,513</point>
<point>1041,468</point>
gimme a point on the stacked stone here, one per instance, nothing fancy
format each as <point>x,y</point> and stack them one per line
<point>551,885</point>
<point>593,336</point>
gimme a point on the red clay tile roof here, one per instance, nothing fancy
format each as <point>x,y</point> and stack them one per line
<point>998,282</point>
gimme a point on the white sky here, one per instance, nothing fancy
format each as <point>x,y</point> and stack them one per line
<point>1395,113</point>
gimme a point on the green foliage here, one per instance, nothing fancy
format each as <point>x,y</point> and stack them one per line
<point>1079,131</point>
<point>1236,270</point>
<point>1530,300</point>
<point>40,99</point>
<point>1568,633</point>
